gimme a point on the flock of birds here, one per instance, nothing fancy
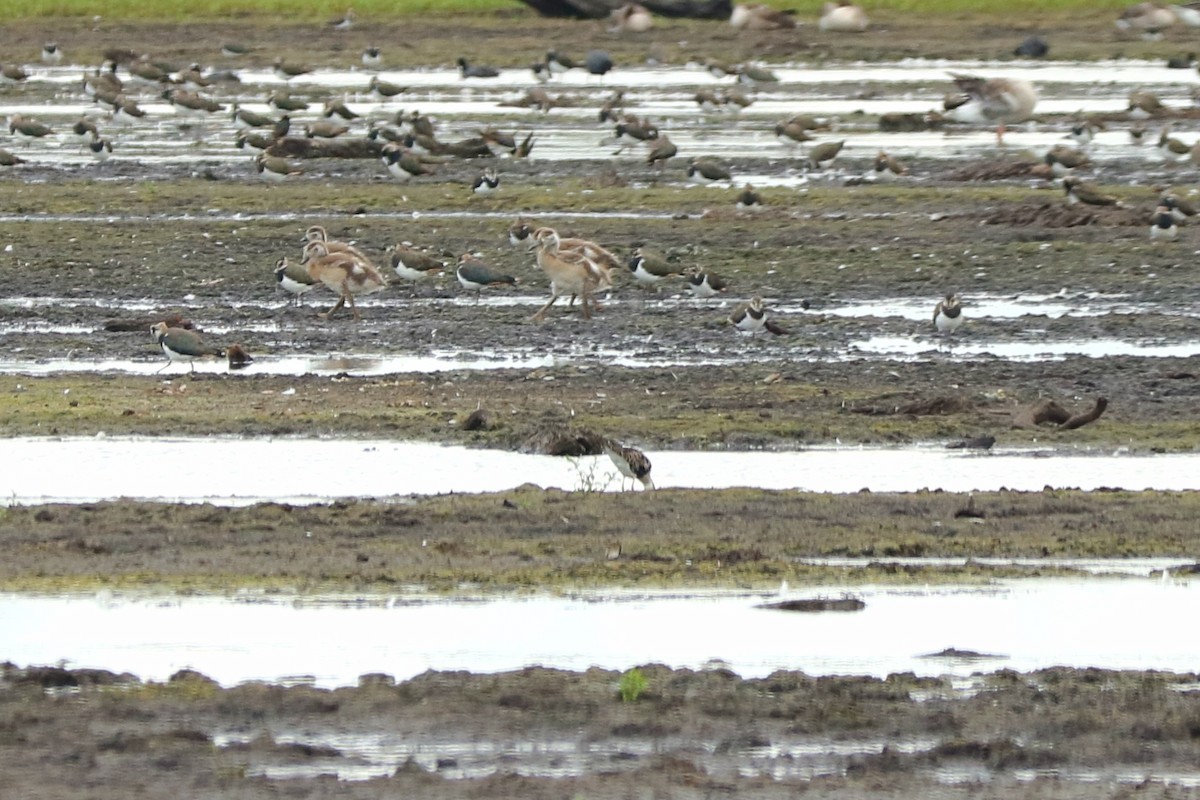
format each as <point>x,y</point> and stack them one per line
<point>408,147</point>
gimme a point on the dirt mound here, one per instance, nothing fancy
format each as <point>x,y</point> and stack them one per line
<point>1060,215</point>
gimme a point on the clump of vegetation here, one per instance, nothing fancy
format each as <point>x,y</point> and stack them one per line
<point>633,685</point>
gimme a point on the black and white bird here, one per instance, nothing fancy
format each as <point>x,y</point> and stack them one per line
<point>372,58</point>
<point>180,344</point>
<point>947,315</point>
<point>1162,225</point>
<point>630,462</point>
<point>468,70</point>
<point>487,182</point>
<point>475,275</point>
<point>705,284</point>
<point>294,279</point>
<point>52,53</point>
<point>101,149</point>
<point>751,317</point>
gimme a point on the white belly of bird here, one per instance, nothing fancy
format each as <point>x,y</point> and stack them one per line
<point>751,324</point>
<point>294,287</point>
<point>1167,234</point>
<point>398,172</point>
<point>701,289</point>
<point>947,324</point>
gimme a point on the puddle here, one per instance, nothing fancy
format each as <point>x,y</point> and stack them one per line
<point>897,347</point>
<point>1029,624</point>
<point>229,471</point>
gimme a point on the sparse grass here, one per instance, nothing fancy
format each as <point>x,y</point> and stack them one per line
<point>301,10</point>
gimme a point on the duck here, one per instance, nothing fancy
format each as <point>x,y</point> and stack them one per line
<point>843,16</point>
<point>998,100</point>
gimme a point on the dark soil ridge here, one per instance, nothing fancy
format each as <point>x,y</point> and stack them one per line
<point>542,733</point>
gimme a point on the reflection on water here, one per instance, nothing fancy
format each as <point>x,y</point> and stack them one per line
<point>1116,623</point>
<point>231,471</point>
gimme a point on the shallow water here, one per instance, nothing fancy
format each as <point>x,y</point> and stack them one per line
<point>231,471</point>
<point>837,91</point>
<point>1119,623</point>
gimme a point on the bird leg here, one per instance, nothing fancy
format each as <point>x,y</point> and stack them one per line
<point>354,308</point>
<point>327,314</point>
<point>583,299</point>
<point>541,314</point>
<point>1000,135</point>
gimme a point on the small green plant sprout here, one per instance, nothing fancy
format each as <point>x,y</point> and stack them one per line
<point>633,684</point>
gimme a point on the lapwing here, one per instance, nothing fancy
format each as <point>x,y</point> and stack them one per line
<point>1172,149</point>
<point>345,274</point>
<point>401,163</point>
<point>748,198</point>
<point>630,462</point>
<point>661,150</point>
<point>180,344</point>
<point>843,16</point>
<point>821,156</point>
<point>1180,209</point>
<point>412,264</point>
<point>1083,192</point>
<point>750,317</point>
<point>888,168</point>
<point>286,71</point>
<point>384,90</point>
<point>26,128</point>
<point>51,53</point>
<point>336,107</point>
<point>1163,225</point>
<point>343,23</point>
<point>144,70</point>
<point>294,279</point>
<point>281,100</point>
<point>792,133</point>
<point>234,50</point>
<point>557,63</point>
<point>1182,62</point>
<point>420,123</point>
<point>254,142</point>
<point>274,168</point>
<point>282,127</point>
<point>649,268</point>
<point>1145,105</point>
<point>631,18</point>
<point>947,314</point>
<point>127,112</point>
<point>85,130</point>
<point>760,17</point>
<point>193,78</point>
<point>325,129</point>
<point>7,159</point>
<point>1064,160</point>
<point>13,73</point>
<point>996,101</point>
<point>753,74</point>
<point>474,275</point>
<point>372,58</point>
<point>468,70</point>
<point>487,182</point>
<point>707,170</point>
<point>386,132</point>
<point>101,149</point>
<point>703,284</point>
<point>244,118</point>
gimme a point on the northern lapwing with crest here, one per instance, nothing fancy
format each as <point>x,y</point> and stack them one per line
<point>180,344</point>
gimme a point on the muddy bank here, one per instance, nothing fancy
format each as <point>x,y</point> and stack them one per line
<point>545,733</point>
<point>529,539</point>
